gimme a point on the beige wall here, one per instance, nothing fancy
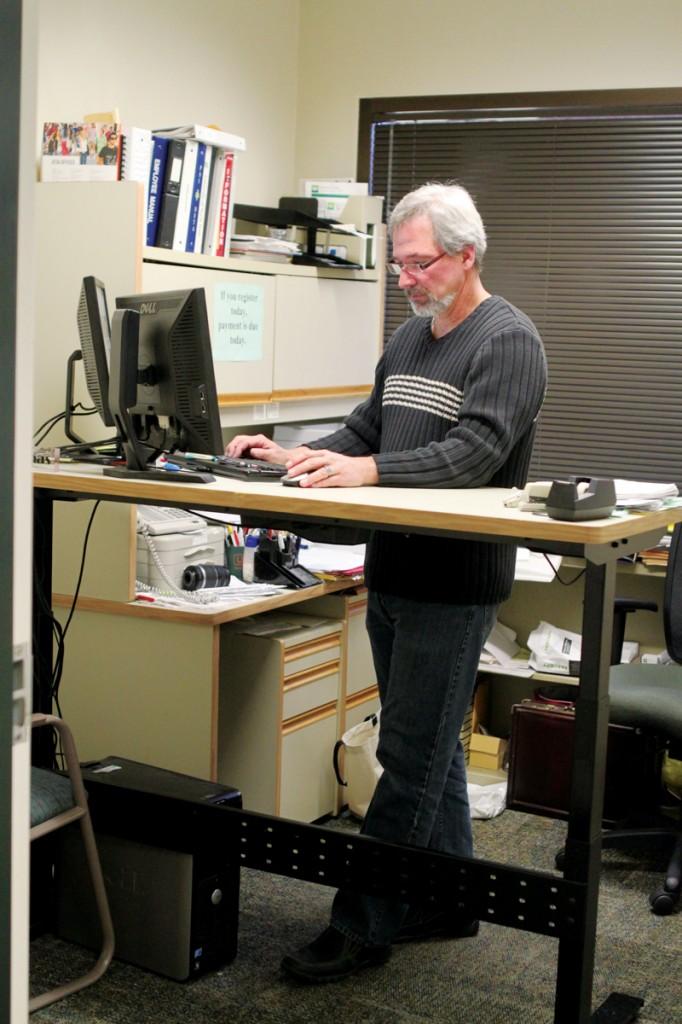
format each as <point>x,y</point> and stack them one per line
<point>365,48</point>
<point>168,62</point>
<point>244,65</point>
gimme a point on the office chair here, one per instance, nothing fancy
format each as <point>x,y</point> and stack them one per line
<point>649,697</point>
<point>57,801</point>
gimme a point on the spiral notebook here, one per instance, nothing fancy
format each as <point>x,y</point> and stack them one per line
<point>136,157</point>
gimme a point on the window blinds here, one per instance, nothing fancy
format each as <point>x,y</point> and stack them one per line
<point>584,224</point>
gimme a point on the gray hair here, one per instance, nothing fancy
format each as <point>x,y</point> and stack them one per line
<point>454,218</point>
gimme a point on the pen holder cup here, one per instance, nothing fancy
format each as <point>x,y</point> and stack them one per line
<point>240,562</point>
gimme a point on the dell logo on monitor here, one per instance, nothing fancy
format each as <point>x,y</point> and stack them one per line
<point>148,307</point>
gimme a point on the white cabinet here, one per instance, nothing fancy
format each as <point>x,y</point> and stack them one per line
<point>279,717</point>
<point>327,335</point>
<point>249,378</point>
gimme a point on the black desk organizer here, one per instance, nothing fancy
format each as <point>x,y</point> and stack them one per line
<point>300,217</point>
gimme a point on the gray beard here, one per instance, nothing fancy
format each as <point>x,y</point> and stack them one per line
<point>433,308</point>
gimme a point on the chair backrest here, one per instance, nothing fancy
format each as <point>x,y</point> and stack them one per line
<point>672,598</point>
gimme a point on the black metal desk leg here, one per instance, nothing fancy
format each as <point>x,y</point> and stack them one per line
<point>573,1004</point>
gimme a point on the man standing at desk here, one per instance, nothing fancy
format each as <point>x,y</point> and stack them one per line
<point>455,398</point>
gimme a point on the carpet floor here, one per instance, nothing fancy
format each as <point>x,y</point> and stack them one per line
<point>502,976</point>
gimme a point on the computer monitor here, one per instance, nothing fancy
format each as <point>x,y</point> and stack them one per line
<point>95,338</point>
<point>162,382</point>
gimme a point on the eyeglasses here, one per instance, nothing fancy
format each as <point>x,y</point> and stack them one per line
<point>413,269</point>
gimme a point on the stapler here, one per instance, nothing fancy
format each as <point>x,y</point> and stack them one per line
<point>580,498</point>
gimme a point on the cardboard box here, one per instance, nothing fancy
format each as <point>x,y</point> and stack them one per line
<point>486,751</point>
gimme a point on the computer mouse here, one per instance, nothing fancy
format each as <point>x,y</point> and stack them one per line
<point>294,481</point>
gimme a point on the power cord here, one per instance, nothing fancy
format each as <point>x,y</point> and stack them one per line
<point>59,632</point>
<point>51,423</point>
<point>557,577</point>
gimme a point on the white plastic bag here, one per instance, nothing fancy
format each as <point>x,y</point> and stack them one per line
<point>487,801</point>
<point>362,770</point>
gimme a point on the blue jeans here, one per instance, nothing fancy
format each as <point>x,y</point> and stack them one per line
<point>426,656</point>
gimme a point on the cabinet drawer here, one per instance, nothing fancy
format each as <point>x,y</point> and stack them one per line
<point>361,705</point>
<point>309,690</point>
<point>302,657</point>
<point>308,785</point>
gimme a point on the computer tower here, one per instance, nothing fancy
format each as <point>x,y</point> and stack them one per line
<point>172,887</point>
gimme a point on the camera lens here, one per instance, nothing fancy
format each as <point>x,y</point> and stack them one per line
<point>198,577</point>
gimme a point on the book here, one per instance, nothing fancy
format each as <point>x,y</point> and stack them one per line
<point>220,203</point>
<point>156,178</point>
<point>224,212</point>
<point>214,196</point>
<point>189,165</point>
<point>207,134</point>
<point>136,157</point>
<point>170,194</point>
<point>80,151</point>
<point>195,197</point>
<point>225,209</point>
<point>203,200</point>
<point>167,217</point>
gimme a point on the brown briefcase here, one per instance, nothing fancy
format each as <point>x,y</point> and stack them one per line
<point>540,760</point>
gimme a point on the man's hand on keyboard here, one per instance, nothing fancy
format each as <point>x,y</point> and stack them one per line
<point>331,469</point>
<point>258,446</point>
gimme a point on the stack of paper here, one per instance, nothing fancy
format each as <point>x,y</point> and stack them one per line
<point>502,653</point>
<point>641,494</point>
<point>333,559</point>
<point>657,555</point>
<point>261,247</point>
<point>558,651</point>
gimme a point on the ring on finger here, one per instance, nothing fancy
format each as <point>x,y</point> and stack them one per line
<point>329,470</point>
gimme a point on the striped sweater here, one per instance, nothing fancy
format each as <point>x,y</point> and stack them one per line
<point>457,411</point>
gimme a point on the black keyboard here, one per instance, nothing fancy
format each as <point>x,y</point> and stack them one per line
<point>224,465</point>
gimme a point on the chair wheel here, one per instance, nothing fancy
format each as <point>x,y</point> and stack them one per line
<point>560,860</point>
<point>663,903</point>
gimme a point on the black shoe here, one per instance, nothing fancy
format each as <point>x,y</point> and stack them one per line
<point>332,956</point>
<point>440,925</point>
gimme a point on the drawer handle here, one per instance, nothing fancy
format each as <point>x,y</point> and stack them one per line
<point>308,718</point>
<point>329,668</point>
<point>361,696</point>
<point>325,643</point>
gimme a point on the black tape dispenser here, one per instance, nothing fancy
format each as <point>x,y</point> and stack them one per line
<point>580,498</point>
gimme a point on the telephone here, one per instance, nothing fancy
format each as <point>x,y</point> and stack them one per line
<point>574,499</point>
<point>157,521</point>
<point>532,498</point>
<point>170,539</point>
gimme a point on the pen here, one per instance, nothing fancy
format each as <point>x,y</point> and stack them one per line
<point>197,455</point>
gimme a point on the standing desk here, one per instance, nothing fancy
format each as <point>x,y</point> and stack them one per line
<point>540,902</point>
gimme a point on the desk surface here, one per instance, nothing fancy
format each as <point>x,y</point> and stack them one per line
<point>472,511</point>
<point>565,908</point>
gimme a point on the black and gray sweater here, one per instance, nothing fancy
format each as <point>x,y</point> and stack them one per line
<point>457,411</point>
